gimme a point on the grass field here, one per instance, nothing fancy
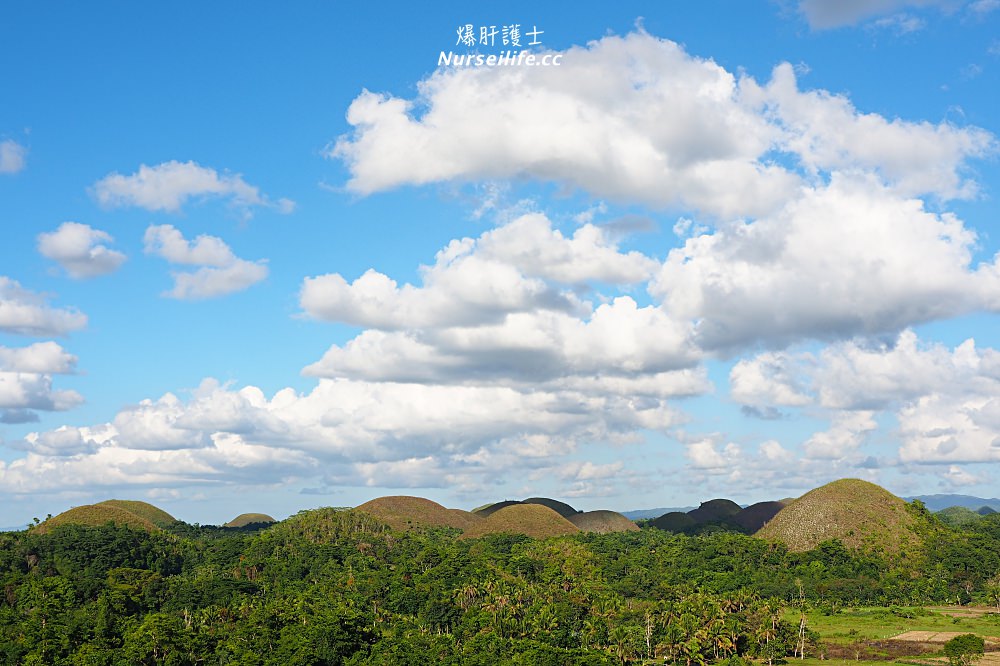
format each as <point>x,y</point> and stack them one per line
<point>865,624</point>
<point>898,634</point>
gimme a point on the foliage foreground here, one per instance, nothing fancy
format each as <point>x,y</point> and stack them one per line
<point>340,587</point>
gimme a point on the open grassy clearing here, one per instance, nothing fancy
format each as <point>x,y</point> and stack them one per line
<point>866,624</point>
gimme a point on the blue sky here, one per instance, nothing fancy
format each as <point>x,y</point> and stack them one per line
<point>264,259</point>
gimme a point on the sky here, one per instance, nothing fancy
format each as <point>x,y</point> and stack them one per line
<point>268,258</point>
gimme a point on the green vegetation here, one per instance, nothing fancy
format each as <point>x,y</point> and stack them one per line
<point>958,516</point>
<point>964,650</point>
<point>333,586</point>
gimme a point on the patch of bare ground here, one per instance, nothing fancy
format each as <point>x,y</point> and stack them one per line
<point>881,650</point>
<point>964,611</point>
<point>921,648</point>
<point>940,637</point>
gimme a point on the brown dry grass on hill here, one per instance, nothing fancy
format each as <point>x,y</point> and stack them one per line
<point>153,514</point>
<point>402,512</point>
<point>245,519</point>
<point>603,522</point>
<point>563,509</point>
<point>534,520</point>
<point>490,509</point>
<point>94,515</point>
<point>862,515</point>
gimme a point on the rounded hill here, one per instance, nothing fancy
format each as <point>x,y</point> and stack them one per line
<point>714,511</point>
<point>402,512</point>
<point>534,520</point>
<point>602,522</point>
<point>862,515</point>
<point>484,511</point>
<point>153,514</point>
<point>245,519</point>
<point>95,515</point>
<point>757,515</point>
<point>675,521</point>
<point>563,509</point>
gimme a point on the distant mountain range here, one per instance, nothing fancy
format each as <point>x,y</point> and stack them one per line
<point>933,503</point>
<point>648,514</point>
<point>938,502</point>
<point>13,529</point>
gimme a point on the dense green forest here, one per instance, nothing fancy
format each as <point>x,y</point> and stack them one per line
<point>331,587</point>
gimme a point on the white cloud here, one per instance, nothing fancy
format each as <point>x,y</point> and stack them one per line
<point>221,272</point>
<point>706,455</point>
<point>474,281</point>
<point>26,381</point>
<point>79,249</point>
<point>638,119</point>
<point>33,391</point>
<point>501,308</point>
<point>824,14</point>
<point>372,432</point>
<point>826,133</point>
<point>12,156</point>
<point>631,118</point>
<point>25,312</point>
<point>845,436</point>
<point>619,339</point>
<point>767,380</point>
<point>958,477</point>
<point>850,258</point>
<point>943,399</point>
<point>865,374</point>
<point>984,7</point>
<point>41,357</point>
<point>168,186</point>
<point>67,441</point>
<point>530,244</point>
<point>901,24</point>
<point>95,464</point>
<point>950,428</point>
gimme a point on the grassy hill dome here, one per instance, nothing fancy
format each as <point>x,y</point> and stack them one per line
<point>675,521</point>
<point>602,522</point>
<point>862,515</point>
<point>153,514</point>
<point>402,512</point>
<point>534,520</point>
<point>757,515</point>
<point>484,511</point>
<point>95,515</point>
<point>245,519</point>
<point>563,509</point>
<point>715,510</point>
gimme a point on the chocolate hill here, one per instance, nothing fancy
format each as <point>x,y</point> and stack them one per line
<point>563,509</point>
<point>95,515</point>
<point>603,522</point>
<point>245,519</point>
<point>534,520</point>
<point>402,512</point>
<point>862,515</point>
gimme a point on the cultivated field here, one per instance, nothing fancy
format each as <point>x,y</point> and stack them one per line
<point>900,635</point>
